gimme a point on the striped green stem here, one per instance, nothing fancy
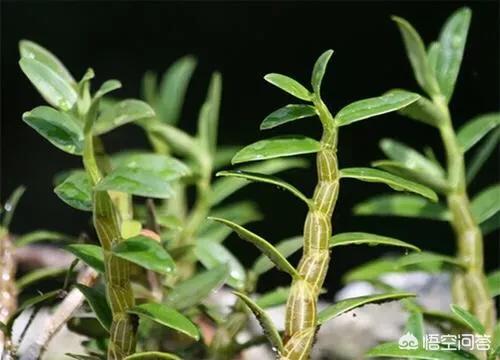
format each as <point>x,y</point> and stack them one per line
<point>117,271</point>
<point>470,289</point>
<point>300,323</point>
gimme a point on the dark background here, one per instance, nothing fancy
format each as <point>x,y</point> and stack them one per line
<point>245,41</point>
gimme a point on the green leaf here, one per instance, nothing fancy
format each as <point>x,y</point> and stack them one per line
<point>167,316</point>
<point>412,206</point>
<point>482,154</point>
<point>53,88</point>
<point>368,108</point>
<point>357,238</point>
<point>432,55</point>
<point>121,113</point>
<point>224,155</point>
<point>429,257</point>
<point>107,87</point>
<point>192,291</point>
<point>226,186</point>
<point>87,325</point>
<point>59,128</point>
<point>415,324</point>
<point>273,298</point>
<point>173,88</point>
<point>167,167</point>
<point>393,350</point>
<point>494,283</point>
<point>277,147</point>
<point>451,48</point>
<point>417,55</point>
<point>346,305</point>
<point>264,246</point>
<point>289,85</point>
<point>10,206</point>
<point>286,114</point>
<point>180,142</point>
<point>474,130</point>
<point>422,110</point>
<point>209,116</point>
<point>90,254</point>
<point>319,70</point>
<point>485,204</point>
<point>98,304</point>
<point>265,322</point>
<point>393,181</point>
<point>472,322</point>
<point>145,252</point>
<point>76,191</point>
<point>152,355</point>
<point>31,50</point>
<point>212,254</point>
<point>149,87</point>
<point>490,225</point>
<point>41,235</point>
<point>269,179</point>
<point>38,275</point>
<point>285,247</point>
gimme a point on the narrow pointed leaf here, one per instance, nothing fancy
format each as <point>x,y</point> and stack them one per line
<point>145,252</point>
<point>287,114</point>
<point>395,182</point>
<point>10,206</point>
<point>269,179</point>
<point>265,322</point>
<point>265,247</point>
<point>124,112</point>
<point>285,247</point>
<point>417,55</point>
<point>412,206</point>
<point>273,298</point>
<point>98,303</point>
<point>482,154</point>
<point>367,108</point>
<point>319,70</point>
<point>422,110</point>
<point>469,319</point>
<point>54,88</point>
<point>494,283</point>
<point>393,350</point>
<point>90,254</point>
<point>41,235</point>
<point>357,238</point>
<point>208,121</point>
<point>486,203</point>
<point>107,87</point>
<point>474,130</point>
<point>432,55</point>
<point>180,142</point>
<point>429,257</point>
<point>152,355</point>
<point>192,291</point>
<point>277,147</point>
<point>167,316</point>
<point>415,324</point>
<point>346,305</point>
<point>76,191</point>
<point>289,85</point>
<point>59,128</point>
<point>451,48</point>
<point>37,275</point>
<point>149,87</point>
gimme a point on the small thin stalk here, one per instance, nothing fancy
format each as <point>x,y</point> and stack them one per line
<point>300,322</point>
<point>8,289</point>
<point>470,289</point>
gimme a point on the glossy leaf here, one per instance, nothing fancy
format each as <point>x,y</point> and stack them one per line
<point>393,350</point>
<point>152,355</point>
<point>287,114</point>
<point>166,316</point>
<point>422,110</point>
<point>145,252</point>
<point>412,206</point>
<point>76,191</point>
<point>41,235</point>
<point>494,283</point>
<point>264,246</point>
<point>469,319</point>
<point>273,298</point>
<point>319,70</point>
<point>482,154</point>
<point>474,130</point>
<point>368,108</point>
<point>192,291</point>
<point>395,182</point>
<point>285,247</point>
<point>486,203</point>
<point>222,188</point>
<point>59,128</point>
<point>269,179</point>
<point>265,322</point>
<point>31,50</point>
<point>105,88</point>
<point>289,85</point>
<point>346,305</point>
<point>451,47</point>
<point>121,113</point>
<point>208,120</point>
<point>212,254</point>
<point>167,167</point>
<point>53,88</point>
<point>417,55</point>
<point>90,254</point>
<point>98,304</point>
<point>357,238</point>
<point>277,147</point>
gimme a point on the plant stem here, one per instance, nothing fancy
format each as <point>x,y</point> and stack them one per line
<point>117,271</point>
<point>470,289</point>
<point>300,323</point>
<point>8,290</point>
